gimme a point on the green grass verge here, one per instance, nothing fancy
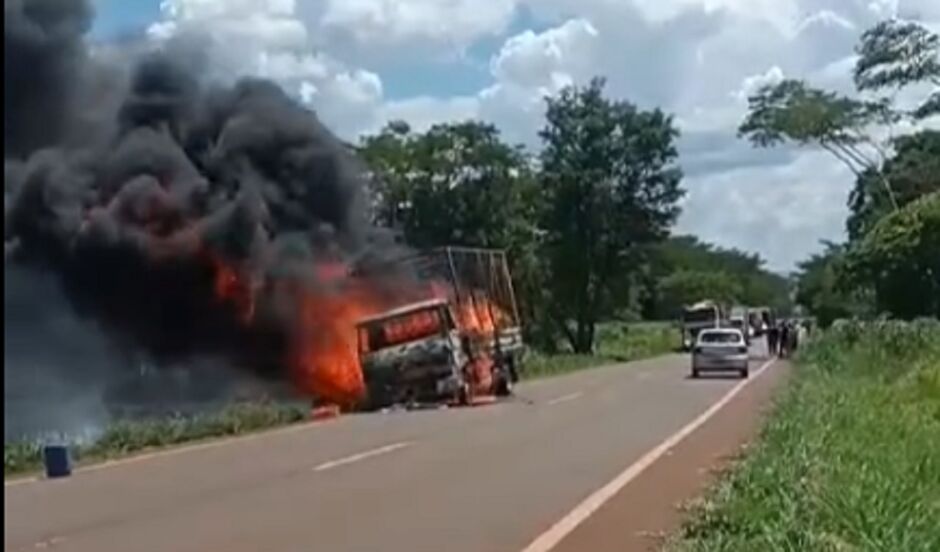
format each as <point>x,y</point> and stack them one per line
<point>849,460</point>
<point>125,437</point>
<point>616,342</point>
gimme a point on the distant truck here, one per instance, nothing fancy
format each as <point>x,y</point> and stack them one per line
<point>740,319</point>
<point>761,319</point>
<point>462,343</point>
<point>697,317</point>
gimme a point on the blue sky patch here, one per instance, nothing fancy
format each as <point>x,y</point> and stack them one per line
<point>114,18</point>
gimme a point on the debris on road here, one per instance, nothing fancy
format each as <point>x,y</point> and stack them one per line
<point>324,412</point>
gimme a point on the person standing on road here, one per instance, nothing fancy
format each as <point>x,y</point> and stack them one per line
<point>773,339</point>
<point>784,340</point>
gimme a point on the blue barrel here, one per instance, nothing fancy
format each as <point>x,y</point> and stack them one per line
<point>57,461</point>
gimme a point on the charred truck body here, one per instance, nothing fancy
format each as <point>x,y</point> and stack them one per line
<point>465,341</point>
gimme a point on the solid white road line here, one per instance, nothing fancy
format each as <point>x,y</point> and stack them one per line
<point>565,398</point>
<point>549,539</point>
<point>362,456</point>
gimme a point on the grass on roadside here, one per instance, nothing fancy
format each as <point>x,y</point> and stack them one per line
<point>850,459</point>
<point>129,436</point>
<point>616,343</point>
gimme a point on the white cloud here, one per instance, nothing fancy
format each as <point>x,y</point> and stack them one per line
<point>781,211</point>
<point>531,66</point>
<point>198,10</point>
<point>423,111</point>
<point>883,8</point>
<point>348,100</point>
<point>753,83</point>
<point>268,38</point>
<point>696,58</point>
<point>532,59</point>
<point>431,24</point>
<point>826,19</point>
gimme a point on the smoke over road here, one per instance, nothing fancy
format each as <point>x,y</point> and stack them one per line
<point>150,213</point>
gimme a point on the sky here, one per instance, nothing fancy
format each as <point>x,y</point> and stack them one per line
<point>361,63</point>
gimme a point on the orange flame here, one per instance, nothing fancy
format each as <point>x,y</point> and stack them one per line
<point>230,287</point>
<point>323,358</point>
<point>473,312</point>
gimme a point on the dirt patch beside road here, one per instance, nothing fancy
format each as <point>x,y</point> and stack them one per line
<point>648,509</point>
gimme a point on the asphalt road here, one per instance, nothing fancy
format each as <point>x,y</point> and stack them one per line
<point>478,479</point>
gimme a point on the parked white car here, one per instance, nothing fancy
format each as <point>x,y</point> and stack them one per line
<point>720,350</point>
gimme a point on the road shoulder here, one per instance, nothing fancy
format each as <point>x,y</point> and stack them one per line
<point>648,508</point>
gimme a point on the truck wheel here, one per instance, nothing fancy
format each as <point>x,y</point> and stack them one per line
<point>744,373</point>
<point>695,373</point>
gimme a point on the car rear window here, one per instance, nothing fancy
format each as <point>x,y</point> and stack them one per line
<point>720,337</point>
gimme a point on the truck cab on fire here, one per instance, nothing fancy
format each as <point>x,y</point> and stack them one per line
<point>411,354</point>
<point>462,343</point>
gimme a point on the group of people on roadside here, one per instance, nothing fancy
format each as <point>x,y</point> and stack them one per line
<point>784,337</point>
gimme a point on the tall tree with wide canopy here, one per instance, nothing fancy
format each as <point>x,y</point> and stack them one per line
<point>792,111</point>
<point>891,55</point>
<point>611,183</point>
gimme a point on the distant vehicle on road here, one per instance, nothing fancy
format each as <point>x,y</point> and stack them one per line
<point>697,317</point>
<point>739,318</point>
<point>761,319</point>
<point>720,350</point>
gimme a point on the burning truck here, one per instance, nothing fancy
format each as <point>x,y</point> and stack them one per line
<point>219,231</point>
<point>463,342</point>
<point>435,326</point>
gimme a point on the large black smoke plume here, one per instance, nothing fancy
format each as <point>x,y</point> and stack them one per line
<point>129,186</point>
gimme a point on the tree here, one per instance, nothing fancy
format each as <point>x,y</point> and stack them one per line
<point>793,111</point>
<point>883,262</point>
<point>822,290</point>
<point>688,256</point>
<point>895,54</point>
<point>914,171</point>
<point>689,286</point>
<point>611,183</point>
<point>892,54</point>
<point>900,258</point>
<point>456,184</point>
<point>388,155</point>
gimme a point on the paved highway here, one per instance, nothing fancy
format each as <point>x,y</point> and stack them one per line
<point>479,479</point>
